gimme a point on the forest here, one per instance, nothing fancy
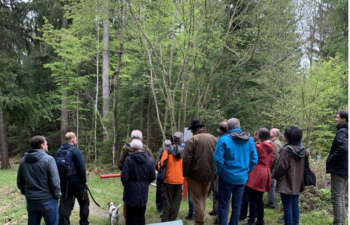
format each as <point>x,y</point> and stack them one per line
<point>103,68</point>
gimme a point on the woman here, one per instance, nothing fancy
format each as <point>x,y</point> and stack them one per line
<point>289,173</point>
<point>138,172</point>
<point>259,180</point>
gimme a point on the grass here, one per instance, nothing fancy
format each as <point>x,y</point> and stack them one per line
<point>13,204</point>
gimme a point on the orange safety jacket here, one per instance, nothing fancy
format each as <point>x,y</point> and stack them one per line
<point>173,174</point>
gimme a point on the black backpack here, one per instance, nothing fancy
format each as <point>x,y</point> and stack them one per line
<point>65,164</point>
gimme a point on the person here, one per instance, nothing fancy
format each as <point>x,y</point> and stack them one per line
<point>259,180</point>
<point>38,180</point>
<point>337,166</point>
<point>274,135</point>
<point>171,160</point>
<point>137,174</point>
<point>190,215</point>
<point>221,131</point>
<point>289,173</point>
<point>135,134</point>
<point>198,166</point>
<point>76,186</point>
<point>160,178</point>
<point>235,156</point>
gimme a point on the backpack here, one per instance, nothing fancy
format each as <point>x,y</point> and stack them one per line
<point>65,164</point>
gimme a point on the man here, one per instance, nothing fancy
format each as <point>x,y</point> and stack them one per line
<point>76,186</point>
<point>337,166</point>
<point>222,130</point>
<point>199,167</point>
<point>160,178</point>
<point>171,161</point>
<point>235,156</point>
<point>274,135</point>
<point>135,134</point>
<point>39,181</point>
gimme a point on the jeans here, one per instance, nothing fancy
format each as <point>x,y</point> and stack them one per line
<point>190,203</point>
<point>245,204</point>
<point>290,209</point>
<point>338,184</point>
<point>135,215</point>
<point>159,205</point>
<point>256,206</point>
<point>38,209</point>
<point>75,190</point>
<point>225,192</point>
<point>271,195</point>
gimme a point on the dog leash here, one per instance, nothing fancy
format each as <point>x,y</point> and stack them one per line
<point>87,188</point>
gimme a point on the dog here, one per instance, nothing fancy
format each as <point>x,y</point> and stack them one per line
<point>113,212</point>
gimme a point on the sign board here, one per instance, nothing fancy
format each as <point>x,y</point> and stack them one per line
<point>187,134</point>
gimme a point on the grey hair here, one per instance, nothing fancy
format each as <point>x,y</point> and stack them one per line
<point>167,143</point>
<point>177,136</point>
<point>136,144</point>
<point>136,134</point>
<point>276,132</point>
<point>233,123</point>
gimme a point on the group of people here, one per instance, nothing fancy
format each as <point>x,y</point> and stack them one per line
<point>238,167</point>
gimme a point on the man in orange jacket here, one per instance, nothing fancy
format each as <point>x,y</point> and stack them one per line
<point>171,161</point>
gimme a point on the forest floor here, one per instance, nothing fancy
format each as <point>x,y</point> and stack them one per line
<point>315,204</point>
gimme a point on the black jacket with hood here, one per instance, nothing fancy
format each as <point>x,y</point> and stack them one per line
<point>138,172</point>
<point>337,161</point>
<point>37,176</point>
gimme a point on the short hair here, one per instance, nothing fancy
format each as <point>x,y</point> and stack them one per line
<point>69,136</point>
<point>136,134</point>
<point>136,144</point>
<point>276,132</point>
<point>233,123</point>
<point>177,137</point>
<point>343,114</point>
<point>223,126</point>
<point>293,135</point>
<point>167,143</point>
<point>263,134</point>
<point>37,141</point>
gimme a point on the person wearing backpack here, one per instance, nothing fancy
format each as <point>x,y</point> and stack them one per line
<point>171,161</point>
<point>73,181</point>
<point>39,181</point>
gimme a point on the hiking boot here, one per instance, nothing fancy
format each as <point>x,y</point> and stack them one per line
<point>261,223</point>
<point>281,220</point>
<point>189,217</point>
<point>212,213</point>
<point>216,221</point>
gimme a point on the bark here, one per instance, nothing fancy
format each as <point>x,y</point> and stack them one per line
<point>105,72</point>
<point>116,76</point>
<point>64,111</point>
<point>97,86</point>
<point>5,163</point>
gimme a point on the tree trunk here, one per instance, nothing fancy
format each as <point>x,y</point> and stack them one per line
<point>64,111</point>
<point>116,76</point>
<point>105,72</point>
<point>5,163</point>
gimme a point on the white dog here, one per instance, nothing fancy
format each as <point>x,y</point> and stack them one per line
<point>113,212</point>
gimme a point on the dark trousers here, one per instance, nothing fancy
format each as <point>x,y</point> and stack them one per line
<point>75,190</point>
<point>290,209</point>
<point>215,194</point>
<point>190,203</point>
<point>38,209</point>
<point>245,204</point>
<point>256,206</point>
<point>159,205</point>
<point>171,198</point>
<point>135,215</point>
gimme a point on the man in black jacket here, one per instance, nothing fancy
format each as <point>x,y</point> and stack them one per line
<point>77,185</point>
<point>337,166</point>
<point>38,180</point>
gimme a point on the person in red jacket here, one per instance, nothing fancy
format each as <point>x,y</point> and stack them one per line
<point>171,161</point>
<point>259,180</point>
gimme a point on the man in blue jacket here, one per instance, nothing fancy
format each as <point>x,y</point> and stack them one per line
<point>39,181</point>
<point>235,156</point>
<point>76,186</point>
<point>337,166</point>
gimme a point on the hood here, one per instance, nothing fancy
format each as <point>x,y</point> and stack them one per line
<point>66,146</point>
<point>296,150</point>
<point>267,146</point>
<point>177,151</point>
<point>34,155</point>
<point>345,125</point>
<point>139,157</point>
<point>239,136</point>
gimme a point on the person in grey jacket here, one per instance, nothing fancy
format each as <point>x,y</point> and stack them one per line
<point>38,180</point>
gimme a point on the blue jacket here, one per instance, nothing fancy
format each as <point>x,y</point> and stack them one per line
<point>138,172</point>
<point>79,165</point>
<point>235,156</point>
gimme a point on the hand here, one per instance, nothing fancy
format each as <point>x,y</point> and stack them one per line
<point>86,184</point>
